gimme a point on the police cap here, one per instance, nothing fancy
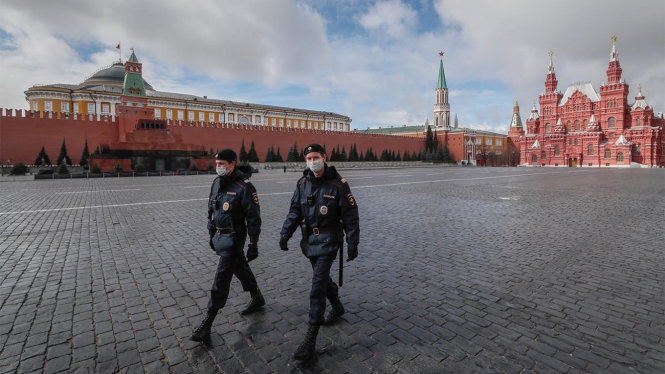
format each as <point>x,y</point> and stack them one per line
<point>314,148</point>
<point>227,155</point>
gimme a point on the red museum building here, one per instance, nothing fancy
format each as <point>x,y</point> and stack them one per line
<point>582,128</point>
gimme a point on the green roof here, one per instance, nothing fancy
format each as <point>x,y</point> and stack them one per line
<point>442,76</point>
<point>133,83</point>
<point>392,130</point>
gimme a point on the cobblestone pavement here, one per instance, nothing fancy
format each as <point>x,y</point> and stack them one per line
<point>461,270</point>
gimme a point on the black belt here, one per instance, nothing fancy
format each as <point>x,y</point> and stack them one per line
<point>221,230</point>
<point>319,231</point>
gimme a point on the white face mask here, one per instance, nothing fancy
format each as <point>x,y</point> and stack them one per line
<point>315,166</point>
<point>221,171</point>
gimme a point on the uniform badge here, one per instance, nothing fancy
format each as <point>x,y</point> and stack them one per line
<point>324,210</point>
<point>331,197</point>
<point>255,198</point>
<point>225,206</point>
<point>352,201</point>
<point>343,180</point>
<point>231,193</point>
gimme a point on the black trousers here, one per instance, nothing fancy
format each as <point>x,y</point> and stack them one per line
<point>227,267</point>
<point>322,287</point>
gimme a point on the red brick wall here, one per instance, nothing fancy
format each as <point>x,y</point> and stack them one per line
<point>21,138</point>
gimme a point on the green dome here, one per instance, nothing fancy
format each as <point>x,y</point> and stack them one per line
<point>114,75</point>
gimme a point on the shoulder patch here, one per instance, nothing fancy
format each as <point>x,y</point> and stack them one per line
<point>352,201</point>
<point>246,180</point>
<point>343,180</point>
<point>255,198</point>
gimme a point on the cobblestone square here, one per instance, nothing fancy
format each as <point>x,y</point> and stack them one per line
<point>461,270</point>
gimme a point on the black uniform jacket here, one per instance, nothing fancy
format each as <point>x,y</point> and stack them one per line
<point>233,208</point>
<point>326,206</point>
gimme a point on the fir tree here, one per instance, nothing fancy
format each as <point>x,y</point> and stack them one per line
<point>269,155</point>
<point>243,153</point>
<point>42,158</point>
<point>429,139</point>
<point>446,153</point>
<point>353,153</point>
<point>343,156</point>
<point>292,155</point>
<point>252,156</point>
<point>85,156</point>
<point>278,156</point>
<point>384,156</point>
<point>63,157</point>
<point>333,155</point>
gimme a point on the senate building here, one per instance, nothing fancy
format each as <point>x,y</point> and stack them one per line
<point>101,94</point>
<point>582,127</point>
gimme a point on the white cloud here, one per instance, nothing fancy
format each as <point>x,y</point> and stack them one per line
<point>392,17</point>
<point>265,42</point>
<point>383,71</point>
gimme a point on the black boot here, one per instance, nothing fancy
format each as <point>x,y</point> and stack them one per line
<point>203,331</point>
<point>255,304</point>
<point>336,311</point>
<point>307,349</point>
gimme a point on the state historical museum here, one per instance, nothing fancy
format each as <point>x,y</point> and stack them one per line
<point>583,127</point>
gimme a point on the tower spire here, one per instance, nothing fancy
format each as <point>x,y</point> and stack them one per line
<point>614,55</point>
<point>551,82</point>
<point>614,69</point>
<point>441,106</point>
<point>442,75</point>
<point>516,121</point>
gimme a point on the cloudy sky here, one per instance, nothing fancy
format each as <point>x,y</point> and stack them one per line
<point>375,61</point>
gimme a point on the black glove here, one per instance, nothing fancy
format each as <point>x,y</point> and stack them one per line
<point>211,228</point>
<point>352,252</point>
<point>212,246</point>
<point>283,244</point>
<point>252,251</point>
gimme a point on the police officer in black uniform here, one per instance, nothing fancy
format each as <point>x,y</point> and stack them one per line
<point>233,212</point>
<point>324,207</point>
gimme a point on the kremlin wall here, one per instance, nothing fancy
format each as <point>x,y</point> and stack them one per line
<point>120,114</point>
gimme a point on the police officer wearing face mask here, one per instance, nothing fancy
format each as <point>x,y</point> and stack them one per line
<point>324,207</point>
<point>233,213</point>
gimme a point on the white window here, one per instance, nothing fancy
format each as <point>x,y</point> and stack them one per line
<point>106,108</point>
<point>497,142</point>
<point>190,115</point>
<point>488,141</point>
<point>288,122</point>
<point>158,113</point>
<point>257,120</point>
<point>181,115</point>
<point>35,105</point>
<point>265,121</point>
<point>91,107</point>
<point>64,107</point>
<point>211,117</point>
<point>169,114</point>
<point>273,121</point>
<point>478,141</point>
<point>202,116</point>
<point>231,117</point>
<point>48,105</point>
<point>281,122</point>
<point>76,107</point>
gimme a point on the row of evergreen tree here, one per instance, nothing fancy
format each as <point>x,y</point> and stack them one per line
<point>432,152</point>
<point>63,158</point>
